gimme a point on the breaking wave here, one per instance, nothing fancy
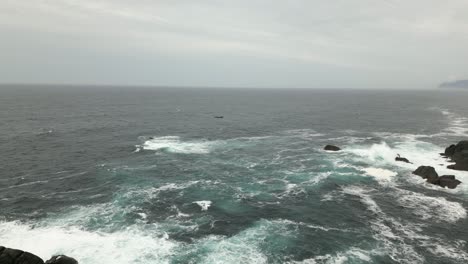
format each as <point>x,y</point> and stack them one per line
<point>175,145</point>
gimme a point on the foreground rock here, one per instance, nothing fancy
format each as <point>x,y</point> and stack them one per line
<point>331,148</point>
<point>459,154</point>
<point>431,176</point>
<point>16,256</point>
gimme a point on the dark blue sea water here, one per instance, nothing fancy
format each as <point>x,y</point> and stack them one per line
<point>148,175</point>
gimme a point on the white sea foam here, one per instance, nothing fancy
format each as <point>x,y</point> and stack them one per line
<point>380,154</point>
<point>246,246</point>
<point>312,226</point>
<point>179,213</point>
<point>204,205</point>
<point>132,245</point>
<point>458,125</point>
<point>143,216</point>
<point>453,251</point>
<point>331,196</point>
<point>395,234</point>
<point>436,208</point>
<point>418,152</point>
<point>303,133</point>
<point>352,255</point>
<point>383,176</point>
<point>392,243</point>
<point>233,250</point>
<point>365,197</point>
<point>176,145</point>
<point>292,189</point>
<point>154,192</point>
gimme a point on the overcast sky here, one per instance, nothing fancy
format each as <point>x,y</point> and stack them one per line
<point>248,43</point>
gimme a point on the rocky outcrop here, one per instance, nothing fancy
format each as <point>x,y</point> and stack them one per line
<point>431,176</point>
<point>331,148</point>
<point>402,159</point>
<point>16,256</point>
<point>459,154</point>
<point>449,151</point>
<point>448,181</point>
<point>427,172</point>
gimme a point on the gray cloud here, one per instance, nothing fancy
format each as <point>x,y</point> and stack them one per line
<point>340,43</point>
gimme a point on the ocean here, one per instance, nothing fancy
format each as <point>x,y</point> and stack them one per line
<point>148,175</point>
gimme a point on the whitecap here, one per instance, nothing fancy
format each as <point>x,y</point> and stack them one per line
<point>204,205</point>
<point>457,125</point>
<point>351,255</point>
<point>436,208</point>
<point>392,243</point>
<point>132,245</point>
<point>383,176</point>
<point>246,246</point>
<point>418,152</point>
<point>175,145</point>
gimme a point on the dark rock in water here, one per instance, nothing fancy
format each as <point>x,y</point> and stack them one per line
<point>459,166</point>
<point>459,154</point>
<point>331,148</point>
<point>449,151</point>
<point>448,181</point>
<point>431,176</point>
<point>426,172</point>
<point>61,259</point>
<point>402,159</point>
<point>15,256</point>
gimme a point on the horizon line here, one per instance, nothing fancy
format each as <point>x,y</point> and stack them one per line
<point>204,86</point>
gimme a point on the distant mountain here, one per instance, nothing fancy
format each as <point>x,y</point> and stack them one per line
<point>455,84</point>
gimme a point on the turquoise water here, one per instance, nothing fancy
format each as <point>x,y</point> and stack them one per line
<point>149,176</point>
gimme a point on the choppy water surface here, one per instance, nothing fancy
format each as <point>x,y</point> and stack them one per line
<point>133,175</point>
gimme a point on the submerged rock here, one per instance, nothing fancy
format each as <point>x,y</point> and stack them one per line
<point>431,176</point>
<point>16,256</point>
<point>331,148</point>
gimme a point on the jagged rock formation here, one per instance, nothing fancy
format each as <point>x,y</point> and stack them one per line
<point>431,176</point>
<point>459,154</point>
